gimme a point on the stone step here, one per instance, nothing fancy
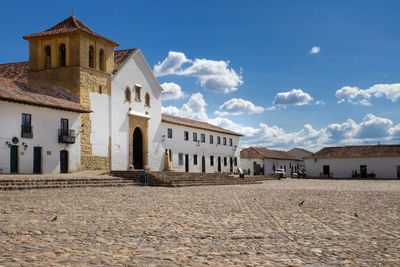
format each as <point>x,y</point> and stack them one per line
<point>64,183</point>
<point>55,186</point>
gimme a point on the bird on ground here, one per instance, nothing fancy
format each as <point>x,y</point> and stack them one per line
<point>54,219</point>
<point>301,203</point>
<point>355,214</point>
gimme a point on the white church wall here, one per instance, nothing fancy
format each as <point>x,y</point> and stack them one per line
<point>45,123</point>
<point>135,72</point>
<point>100,130</point>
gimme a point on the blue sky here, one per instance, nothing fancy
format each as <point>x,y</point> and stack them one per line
<point>249,66</point>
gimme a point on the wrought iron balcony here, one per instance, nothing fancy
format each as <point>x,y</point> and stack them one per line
<point>66,136</point>
<point>26,131</point>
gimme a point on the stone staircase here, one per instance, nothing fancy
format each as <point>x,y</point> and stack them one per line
<point>121,178</point>
<point>179,179</point>
<point>39,183</point>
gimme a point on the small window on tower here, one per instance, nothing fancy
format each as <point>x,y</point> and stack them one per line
<point>91,56</point>
<point>100,89</point>
<point>63,56</point>
<point>47,57</point>
<point>101,60</point>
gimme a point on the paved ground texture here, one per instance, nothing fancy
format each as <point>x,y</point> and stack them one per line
<point>339,223</point>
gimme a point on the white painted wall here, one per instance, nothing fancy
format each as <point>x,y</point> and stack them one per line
<point>247,163</point>
<point>100,121</point>
<point>178,145</point>
<point>135,71</point>
<point>342,168</point>
<point>45,122</point>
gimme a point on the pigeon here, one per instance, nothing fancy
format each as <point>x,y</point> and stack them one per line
<point>301,203</point>
<point>54,219</point>
<point>355,214</point>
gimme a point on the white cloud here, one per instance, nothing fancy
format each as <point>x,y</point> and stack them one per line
<point>230,125</point>
<point>171,91</point>
<point>171,64</point>
<point>294,97</point>
<point>195,108</point>
<point>320,103</point>
<point>213,75</point>
<point>374,127</point>
<point>371,129</point>
<point>358,96</point>
<point>353,95</point>
<point>238,106</point>
<point>315,50</point>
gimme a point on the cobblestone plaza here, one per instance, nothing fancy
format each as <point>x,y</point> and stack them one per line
<point>338,223</point>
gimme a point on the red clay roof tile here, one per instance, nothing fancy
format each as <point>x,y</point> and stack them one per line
<point>261,153</point>
<point>16,91</point>
<point>70,24</point>
<point>15,71</point>
<point>372,151</point>
<point>120,56</point>
<point>195,124</point>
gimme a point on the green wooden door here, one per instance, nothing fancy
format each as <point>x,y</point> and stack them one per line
<point>14,159</point>
<point>37,159</point>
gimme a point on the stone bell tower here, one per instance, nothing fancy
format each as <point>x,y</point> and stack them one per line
<point>74,59</point>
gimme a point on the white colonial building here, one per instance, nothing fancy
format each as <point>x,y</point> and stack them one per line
<point>379,161</point>
<point>263,161</point>
<point>198,146</point>
<point>112,102</point>
<point>40,130</point>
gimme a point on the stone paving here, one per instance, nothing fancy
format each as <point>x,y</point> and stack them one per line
<point>355,223</point>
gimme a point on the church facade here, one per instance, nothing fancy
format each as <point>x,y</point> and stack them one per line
<point>109,104</point>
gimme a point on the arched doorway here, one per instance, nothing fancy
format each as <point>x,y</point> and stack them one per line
<point>137,149</point>
<point>203,164</point>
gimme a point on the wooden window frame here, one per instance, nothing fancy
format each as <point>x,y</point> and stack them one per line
<point>147,100</point>
<point>138,94</point>
<point>128,95</point>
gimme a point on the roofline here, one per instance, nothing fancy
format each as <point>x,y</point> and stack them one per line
<point>2,98</point>
<point>315,156</point>
<point>145,63</point>
<point>28,37</point>
<point>14,62</point>
<point>273,158</point>
<point>199,127</point>
<point>264,157</point>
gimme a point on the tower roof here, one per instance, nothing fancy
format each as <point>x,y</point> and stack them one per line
<point>70,24</point>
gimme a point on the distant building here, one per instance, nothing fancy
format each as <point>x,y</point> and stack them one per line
<point>380,161</point>
<point>300,153</point>
<point>266,161</point>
